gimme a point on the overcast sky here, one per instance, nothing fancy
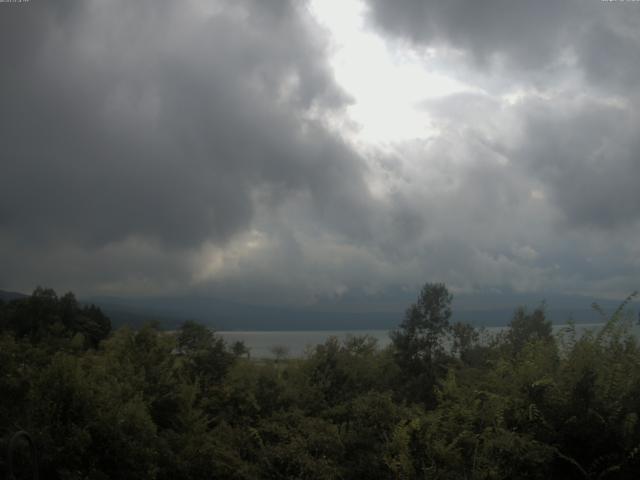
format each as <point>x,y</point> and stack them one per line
<point>275,151</point>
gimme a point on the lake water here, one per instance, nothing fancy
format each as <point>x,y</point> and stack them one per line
<point>297,343</point>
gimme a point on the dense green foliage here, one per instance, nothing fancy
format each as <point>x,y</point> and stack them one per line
<point>442,402</point>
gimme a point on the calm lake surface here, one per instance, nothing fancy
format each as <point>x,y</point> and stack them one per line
<point>297,343</point>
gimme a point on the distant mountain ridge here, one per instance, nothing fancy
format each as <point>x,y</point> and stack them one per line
<point>6,296</point>
<point>350,312</point>
<point>354,314</point>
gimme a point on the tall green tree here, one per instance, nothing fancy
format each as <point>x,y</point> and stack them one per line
<point>418,342</point>
<point>528,327</point>
<point>206,355</point>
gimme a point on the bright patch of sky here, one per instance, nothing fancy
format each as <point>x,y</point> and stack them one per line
<point>388,85</point>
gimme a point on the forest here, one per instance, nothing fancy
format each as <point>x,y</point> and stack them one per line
<point>443,401</point>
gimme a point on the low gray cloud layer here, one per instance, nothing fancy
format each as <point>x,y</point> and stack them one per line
<point>172,147</point>
<point>120,123</point>
<point>542,38</point>
<point>524,33</point>
<point>164,122</point>
<point>558,115</point>
<point>588,155</point>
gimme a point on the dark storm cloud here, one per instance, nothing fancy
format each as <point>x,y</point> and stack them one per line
<point>533,40</point>
<point>162,146</point>
<point>582,151</point>
<point>587,153</point>
<point>526,33</point>
<point>153,119</point>
<point>529,193</point>
<point>574,64</point>
<point>610,52</point>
